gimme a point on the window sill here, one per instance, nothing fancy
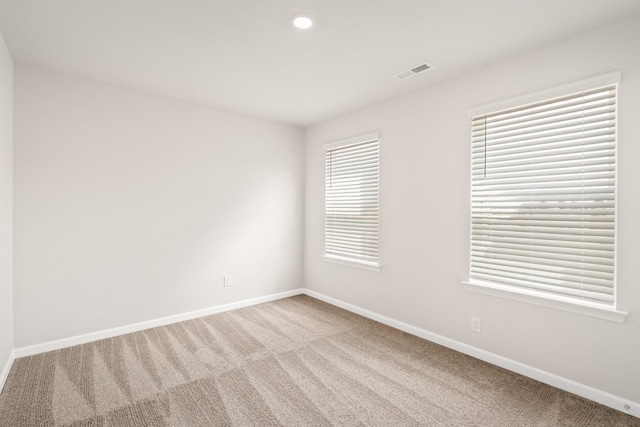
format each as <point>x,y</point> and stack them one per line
<point>371,266</point>
<point>600,311</point>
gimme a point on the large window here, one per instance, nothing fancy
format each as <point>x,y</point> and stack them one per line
<point>352,202</point>
<point>543,197</point>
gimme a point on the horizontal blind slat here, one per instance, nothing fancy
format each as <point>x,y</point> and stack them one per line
<point>543,195</point>
<point>574,108</point>
<point>571,277</point>
<point>351,201</point>
<point>558,288</point>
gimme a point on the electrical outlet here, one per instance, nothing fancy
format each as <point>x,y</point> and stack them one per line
<point>227,281</point>
<point>476,324</point>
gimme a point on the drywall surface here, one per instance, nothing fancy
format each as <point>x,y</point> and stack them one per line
<point>424,200</point>
<point>6,204</point>
<point>132,207</point>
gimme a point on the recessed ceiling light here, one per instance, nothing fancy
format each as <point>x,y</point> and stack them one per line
<point>302,22</point>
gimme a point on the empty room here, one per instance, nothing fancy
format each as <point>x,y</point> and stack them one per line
<point>319,213</point>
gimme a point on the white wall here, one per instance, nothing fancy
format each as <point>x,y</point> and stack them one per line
<point>6,205</point>
<point>425,217</point>
<point>131,207</point>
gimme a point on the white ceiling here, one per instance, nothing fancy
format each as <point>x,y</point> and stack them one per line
<point>243,55</point>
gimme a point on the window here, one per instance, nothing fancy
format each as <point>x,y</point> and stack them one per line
<point>543,198</point>
<point>352,202</point>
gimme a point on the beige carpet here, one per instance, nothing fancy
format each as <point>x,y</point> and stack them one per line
<point>292,362</point>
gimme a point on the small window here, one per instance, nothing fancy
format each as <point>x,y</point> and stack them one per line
<point>543,198</point>
<point>352,202</point>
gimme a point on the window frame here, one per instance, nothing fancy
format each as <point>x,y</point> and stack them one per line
<point>371,265</point>
<point>603,311</point>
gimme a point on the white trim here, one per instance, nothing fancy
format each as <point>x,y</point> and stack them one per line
<point>599,396</point>
<point>372,266</point>
<point>7,368</point>
<point>611,78</point>
<point>538,298</point>
<point>94,336</point>
<point>375,136</point>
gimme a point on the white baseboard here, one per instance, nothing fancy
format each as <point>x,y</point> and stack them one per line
<point>7,367</point>
<point>94,336</point>
<point>602,397</point>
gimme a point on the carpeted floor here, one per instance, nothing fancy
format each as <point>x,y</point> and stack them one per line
<point>292,362</point>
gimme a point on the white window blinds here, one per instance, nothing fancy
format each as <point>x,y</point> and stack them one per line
<point>543,196</point>
<point>351,199</point>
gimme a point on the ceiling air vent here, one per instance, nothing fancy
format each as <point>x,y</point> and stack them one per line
<point>412,71</point>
